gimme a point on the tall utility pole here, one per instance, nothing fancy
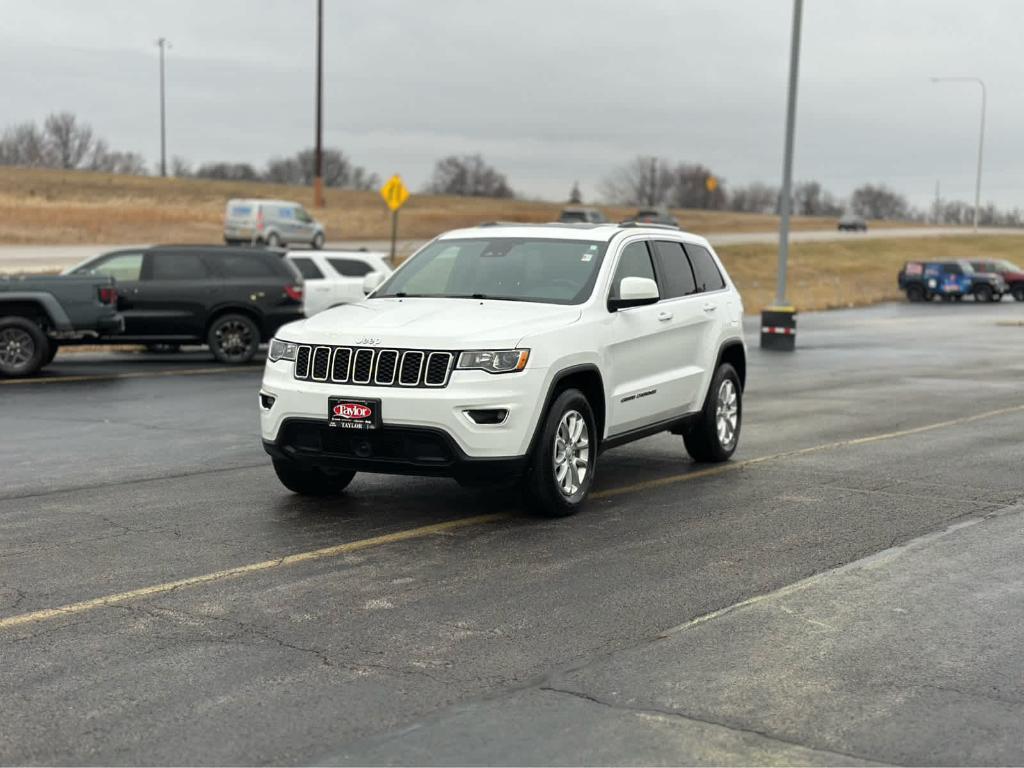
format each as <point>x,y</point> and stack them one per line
<point>163,43</point>
<point>318,158</point>
<point>785,204</point>
<point>981,136</point>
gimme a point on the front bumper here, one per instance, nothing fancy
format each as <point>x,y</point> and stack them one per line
<point>409,412</point>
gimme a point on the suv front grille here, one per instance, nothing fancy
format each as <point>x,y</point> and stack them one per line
<point>374,367</point>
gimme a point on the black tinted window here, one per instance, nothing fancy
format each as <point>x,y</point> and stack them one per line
<point>674,274</point>
<point>120,266</point>
<point>308,268</point>
<point>952,269</point>
<point>705,271</point>
<point>634,262</point>
<point>176,266</point>
<point>243,265</point>
<point>350,267</point>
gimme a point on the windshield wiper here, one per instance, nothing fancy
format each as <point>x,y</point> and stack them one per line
<point>486,296</point>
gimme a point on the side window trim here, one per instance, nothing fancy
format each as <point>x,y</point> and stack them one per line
<point>615,270</point>
<point>686,258</point>
<point>714,263</point>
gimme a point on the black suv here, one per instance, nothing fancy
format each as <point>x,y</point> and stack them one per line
<point>227,297</point>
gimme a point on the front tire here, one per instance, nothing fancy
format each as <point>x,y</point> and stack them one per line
<point>233,339</point>
<point>24,348</point>
<point>564,458</point>
<point>273,240</point>
<point>983,293</point>
<point>915,292</point>
<point>716,433</point>
<point>311,481</point>
<point>318,241</point>
<point>1018,293</point>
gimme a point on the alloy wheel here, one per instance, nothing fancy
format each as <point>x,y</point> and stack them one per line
<point>234,338</point>
<point>16,347</point>
<point>727,414</point>
<point>572,453</point>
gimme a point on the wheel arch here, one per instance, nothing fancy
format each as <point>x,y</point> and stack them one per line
<point>587,378</point>
<point>234,309</point>
<point>734,353</point>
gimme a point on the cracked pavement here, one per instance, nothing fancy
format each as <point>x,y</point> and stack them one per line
<point>531,641</point>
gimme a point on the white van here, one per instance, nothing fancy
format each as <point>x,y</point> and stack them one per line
<point>271,222</point>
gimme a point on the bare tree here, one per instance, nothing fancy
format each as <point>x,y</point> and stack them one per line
<point>180,167</point>
<point>754,198</point>
<point>642,181</point>
<point>228,172</point>
<point>67,141</point>
<point>338,170</point>
<point>468,175</point>
<point>575,196</point>
<point>23,144</point>
<point>879,202</point>
<point>692,188</point>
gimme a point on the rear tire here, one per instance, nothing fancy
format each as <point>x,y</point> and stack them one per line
<point>1018,292</point>
<point>983,293</point>
<point>24,348</point>
<point>318,241</point>
<point>273,240</point>
<point>564,459</point>
<point>716,432</point>
<point>311,481</point>
<point>915,292</point>
<point>233,339</point>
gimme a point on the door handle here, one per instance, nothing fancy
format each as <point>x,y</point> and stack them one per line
<point>709,307</point>
<point>664,316</point>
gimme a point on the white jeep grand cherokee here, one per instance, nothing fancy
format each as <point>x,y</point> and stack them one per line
<point>512,354</point>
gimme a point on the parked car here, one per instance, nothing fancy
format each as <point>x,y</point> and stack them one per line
<point>950,281</point>
<point>512,354</point>
<point>40,313</point>
<point>1010,272</point>
<point>582,214</point>
<point>660,215</point>
<point>270,222</point>
<point>229,298</point>
<point>336,277</point>
<point>852,223</point>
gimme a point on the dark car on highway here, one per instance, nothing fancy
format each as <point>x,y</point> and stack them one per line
<point>226,297</point>
<point>852,223</point>
<point>950,281</point>
<point>1010,272</point>
<point>582,214</point>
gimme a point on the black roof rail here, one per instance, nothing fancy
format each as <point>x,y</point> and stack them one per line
<point>635,223</point>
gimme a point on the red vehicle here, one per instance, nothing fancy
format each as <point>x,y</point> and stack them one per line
<point>1009,271</point>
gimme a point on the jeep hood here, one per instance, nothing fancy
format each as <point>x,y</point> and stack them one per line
<point>431,323</point>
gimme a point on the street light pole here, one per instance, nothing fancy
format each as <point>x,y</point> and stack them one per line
<point>162,43</point>
<point>785,203</point>
<point>318,158</point>
<point>981,135</point>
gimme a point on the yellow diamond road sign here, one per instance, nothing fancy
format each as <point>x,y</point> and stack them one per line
<point>395,193</point>
<point>711,183</point>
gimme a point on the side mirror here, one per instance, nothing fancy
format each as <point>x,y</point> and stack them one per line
<point>634,292</point>
<point>372,282</point>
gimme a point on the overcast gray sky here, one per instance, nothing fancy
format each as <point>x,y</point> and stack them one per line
<point>548,91</point>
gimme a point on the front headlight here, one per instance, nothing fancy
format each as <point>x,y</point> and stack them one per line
<point>281,350</point>
<point>494,360</point>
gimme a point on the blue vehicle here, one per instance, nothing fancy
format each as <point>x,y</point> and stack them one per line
<point>950,281</point>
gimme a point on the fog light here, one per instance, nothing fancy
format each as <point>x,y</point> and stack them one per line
<point>267,401</point>
<point>488,415</point>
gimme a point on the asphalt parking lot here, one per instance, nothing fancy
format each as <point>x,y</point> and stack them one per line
<point>163,600</point>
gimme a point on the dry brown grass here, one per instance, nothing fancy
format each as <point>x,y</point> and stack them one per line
<point>849,273</point>
<point>54,207</point>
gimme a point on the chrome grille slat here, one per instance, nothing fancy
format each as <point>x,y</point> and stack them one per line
<point>368,366</point>
<point>321,364</point>
<point>302,362</point>
<point>438,366</point>
<point>362,366</point>
<point>340,363</point>
<point>386,367</point>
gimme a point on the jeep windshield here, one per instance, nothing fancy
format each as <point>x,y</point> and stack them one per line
<point>547,271</point>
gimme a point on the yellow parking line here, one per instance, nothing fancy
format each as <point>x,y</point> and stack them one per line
<point>133,375</point>
<point>242,570</point>
<point>451,525</point>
